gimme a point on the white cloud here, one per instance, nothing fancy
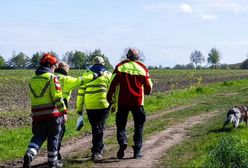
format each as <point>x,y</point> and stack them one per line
<point>186,9</point>
<point>209,17</point>
<point>168,8</point>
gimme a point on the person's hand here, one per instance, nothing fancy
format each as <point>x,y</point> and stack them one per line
<point>65,117</point>
<point>103,72</point>
<point>80,123</point>
<point>113,108</point>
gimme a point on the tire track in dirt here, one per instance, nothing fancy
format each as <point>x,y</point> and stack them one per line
<point>157,145</point>
<point>72,146</point>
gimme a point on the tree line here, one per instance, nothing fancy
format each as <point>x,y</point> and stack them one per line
<point>213,59</point>
<point>82,60</point>
<point>76,59</point>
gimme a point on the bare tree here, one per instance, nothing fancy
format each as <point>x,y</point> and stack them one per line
<point>197,58</point>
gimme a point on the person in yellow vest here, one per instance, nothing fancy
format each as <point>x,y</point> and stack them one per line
<point>68,84</point>
<point>48,110</point>
<point>130,82</point>
<point>93,96</point>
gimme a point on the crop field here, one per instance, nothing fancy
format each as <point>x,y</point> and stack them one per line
<point>178,96</point>
<point>15,103</point>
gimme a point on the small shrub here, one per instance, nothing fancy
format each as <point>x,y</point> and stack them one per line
<point>230,152</point>
<point>199,90</point>
<point>225,83</point>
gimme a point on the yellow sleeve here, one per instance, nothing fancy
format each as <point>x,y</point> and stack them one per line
<point>71,83</point>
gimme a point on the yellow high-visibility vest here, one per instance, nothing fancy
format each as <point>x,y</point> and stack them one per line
<point>93,94</point>
<point>46,96</point>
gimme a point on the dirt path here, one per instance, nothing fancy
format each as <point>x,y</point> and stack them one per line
<point>157,145</point>
<point>71,147</point>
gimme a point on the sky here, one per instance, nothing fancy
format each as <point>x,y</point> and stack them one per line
<point>166,31</point>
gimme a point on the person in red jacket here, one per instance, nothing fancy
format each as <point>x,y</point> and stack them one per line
<point>130,81</point>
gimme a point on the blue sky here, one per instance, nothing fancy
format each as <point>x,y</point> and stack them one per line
<point>166,31</point>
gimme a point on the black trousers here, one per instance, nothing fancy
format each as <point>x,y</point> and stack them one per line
<point>139,118</point>
<point>97,120</point>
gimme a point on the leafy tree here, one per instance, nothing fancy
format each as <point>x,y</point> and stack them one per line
<point>76,59</point>
<point>98,52</point>
<point>79,59</point>
<point>214,57</point>
<point>178,66</point>
<point>244,64</point>
<point>2,62</point>
<point>35,60</point>
<point>19,61</point>
<point>190,66</point>
<point>196,58</point>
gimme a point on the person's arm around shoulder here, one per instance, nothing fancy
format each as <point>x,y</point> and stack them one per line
<point>71,83</point>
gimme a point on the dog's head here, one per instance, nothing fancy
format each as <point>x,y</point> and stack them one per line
<point>233,116</point>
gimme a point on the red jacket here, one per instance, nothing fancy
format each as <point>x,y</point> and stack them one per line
<point>130,81</point>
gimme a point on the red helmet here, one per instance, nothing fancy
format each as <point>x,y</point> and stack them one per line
<point>48,58</point>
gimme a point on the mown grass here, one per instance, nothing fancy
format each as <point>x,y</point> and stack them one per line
<point>209,99</point>
<point>13,142</point>
<point>208,146</point>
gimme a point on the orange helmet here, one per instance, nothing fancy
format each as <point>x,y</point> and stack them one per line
<point>48,58</point>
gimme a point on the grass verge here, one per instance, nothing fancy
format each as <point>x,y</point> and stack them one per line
<point>205,96</point>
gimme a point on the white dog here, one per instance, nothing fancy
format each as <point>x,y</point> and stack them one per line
<point>236,115</point>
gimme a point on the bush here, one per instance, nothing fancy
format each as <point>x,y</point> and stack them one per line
<point>230,152</point>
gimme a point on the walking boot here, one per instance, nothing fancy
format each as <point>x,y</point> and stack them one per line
<point>27,161</point>
<point>120,153</point>
<point>136,152</point>
<point>96,157</point>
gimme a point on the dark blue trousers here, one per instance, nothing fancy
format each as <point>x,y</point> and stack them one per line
<point>97,120</point>
<point>49,130</point>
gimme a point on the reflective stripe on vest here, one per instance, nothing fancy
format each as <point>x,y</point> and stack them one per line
<point>80,94</point>
<point>48,106</point>
<point>96,86</point>
<point>102,89</point>
<point>43,90</point>
<point>97,91</point>
<point>44,112</point>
